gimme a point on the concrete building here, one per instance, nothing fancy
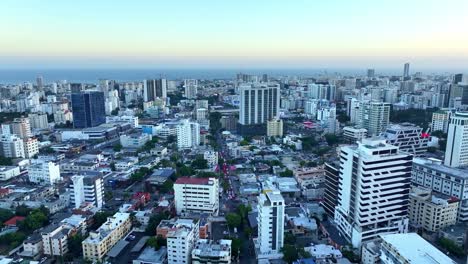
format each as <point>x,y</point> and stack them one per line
<point>20,127</point>
<point>153,89</point>
<point>38,121</point>
<point>275,128</point>
<point>99,242</point>
<point>432,174</point>
<point>87,189</point>
<point>259,102</point>
<point>456,152</point>
<point>407,137</point>
<point>190,88</point>
<point>11,146</point>
<point>431,212</point>
<point>330,195</point>
<point>373,191</point>
<point>441,120</point>
<point>31,147</point>
<point>196,195</point>
<point>352,134</point>
<point>88,108</point>
<point>8,172</point>
<point>134,141</point>
<point>180,242</point>
<point>44,172</point>
<point>188,134</point>
<point>270,225</point>
<point>208,251</point>
<point>410,248</point>
<point>55,240</point>
<point>373,116</point>
<point>152,256</point>
<point>211,158</point>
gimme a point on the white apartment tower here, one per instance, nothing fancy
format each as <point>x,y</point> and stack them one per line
<point>11,146</point>
<point>191,88</point>
<point>180,241</point>
<point>373,116</point>
<point>87,189</point>
<point>188,134</point>
<point>270,224</point>
<point>373,191</point>
<point>45,172</point>
<point>456,152</point>
<point>440,120</point>
<point>199,195</point>
<point>38,121</point>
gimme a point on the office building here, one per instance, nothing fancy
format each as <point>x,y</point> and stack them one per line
<point>441,120</point>
<point>38,121</point>
<point>153,89</point>
<point>406,71</point>
<point>407,137</point>
<point>259,102</point>
<point>134,141</point>
<point>373,116</point>
<point>370,73</point>
<point>87,189</point>
<point>11,146</point>
<point>208,251</point>
<point>31,147</point>
<point>330,195</point>
<point>270,225</point>
<point>40,82</point>
<point>431,212</point>
<point>88,109</point>
<point>188,134</point>
<point>410,248</point>
<point>322,91</point>
<point>456,152</point>
<point>373,191</point>
<point>190,88</point>
<point>201,114</point>
<point>352,109</point>
<point>180,241</point>
<point>453,182</point>
<point>275,128</point>
<point>44,173</point>
<point>196,195</point>
<point>8,172</point>
<point>19,127</point>
<point>352,134</point>
<point>99,242</point>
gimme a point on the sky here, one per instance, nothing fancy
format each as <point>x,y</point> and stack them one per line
<point>431,34</point>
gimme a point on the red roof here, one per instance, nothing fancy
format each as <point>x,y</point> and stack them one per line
<point>14,220</point>
<point>4,191</point>
<point>188,180</point>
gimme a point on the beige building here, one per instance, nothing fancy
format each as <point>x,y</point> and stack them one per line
<point>275,128</point>
<point>431,212</point>
<point>99,242</point>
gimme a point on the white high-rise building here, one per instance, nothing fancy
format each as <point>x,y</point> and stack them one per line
<point>209,251</point>
<point>373,191</point>
<point>31,147</point>
<point>259,102</point>
<point>11,146</point>
<point>38,121</point>
<point>440,120</point>
<point>270,225</point>
<point>188,134</point>
<point>44,172</point>
<point>87,189</point>
<point>201,114</point>
<point>373,116</point>
<point>191,88</point>
<point>456,152</point>
<point>199,195</point>
<point>19,127</point>
<point>180,241</point>
<point>407,137</point>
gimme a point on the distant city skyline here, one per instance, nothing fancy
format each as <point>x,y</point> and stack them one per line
<point>431,35</point>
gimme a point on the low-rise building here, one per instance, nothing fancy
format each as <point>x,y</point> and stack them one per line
<point>196,195</point>
<point>31,147</point>
<point>55,239</point>
<point>275,128</point>
<point>208,251</point>
<point>99,242</point>
<point>152,256</point>
<point>352,134</point>
<point>44,172</point>
<point>180,241</point>
<point>134,140</point>
<point>32,246</point>
<point>211,157</point>
<point>8,172</point>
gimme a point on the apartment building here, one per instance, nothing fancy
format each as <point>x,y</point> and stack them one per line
<point>209,251</point>
<point>180,241</point>
<point>44,172</point>
<point>352,134</point>
<point>55,239</point>
<point>8,172</point>
<point>196,195</point>
<point>87,189</point>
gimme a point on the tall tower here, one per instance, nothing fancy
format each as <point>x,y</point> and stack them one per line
<point>88,109</point>
<point>373,190</point>
<point>457,140</point>
<point>156,88</point>
<point>270,223</point>
<point>373,116</point>
<point>406,73</point>
<point>191,88</point>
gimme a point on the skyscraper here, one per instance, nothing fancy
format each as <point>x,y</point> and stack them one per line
<point>457,140</point>
<point>191,88</point>
<point>156,88</point>
<point>373,116</point>
<point>270,224</point>
<point>373,191</point>
<point>40,82</point>
<point>406,73</point>
<point>370,73</point>
<point>88,109</point>
<point>258,104</point>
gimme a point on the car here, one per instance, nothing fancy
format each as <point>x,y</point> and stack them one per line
<point>225,233</point>
<point>130,237</point>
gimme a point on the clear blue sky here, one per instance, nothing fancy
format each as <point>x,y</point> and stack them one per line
<point>241,33</point>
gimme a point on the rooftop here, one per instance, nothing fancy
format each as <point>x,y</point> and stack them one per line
<point>105,229</point>
<point>197,181</point>
<point>415,249</point>
<point>437,165</point>
<point>209,248</point>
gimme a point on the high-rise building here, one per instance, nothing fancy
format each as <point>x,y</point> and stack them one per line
<point>40,82</point>
<point>270,225</point>
<point>259,102</point>
<point>213,252</point>
<point>11,146</point>
<point>456,152</point>
<point>441,120</point>
<point>180,241</point>
<point>31,147</point>
<point>188,134</point>
<point>44,173</point>
<point>20,127</point>
<point>87,189</point>
<point>155,88</point>
<point>191,88</point>
<point>38,121</point>
<point>373,116</point>
<point>406,73</point>
<point>275,128</point>
<point>373,191</point>
<point>331,188</point>
<point>352,134</point>
<point>370,73</point>
<point>88,109</point>
<point>407,137</point>
<point>196,195</point>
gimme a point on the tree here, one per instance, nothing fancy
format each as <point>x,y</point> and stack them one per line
<point>331,139</point>
<point>5,214</point>
<point>167,186</point>
<point>36,219</point>
<point>112,166</point>
<point>117,147</point>
<point>154,222</point>
<point>244,211</point>
<point>199,163</point>
<point>286,173</point>
<point>290,253</point>
<point>22,210</point>
<point>450,246</point>
<point>289,238</point>
<point>233,220</point>
<point>100,218</point>
<point>74,245</point>
<point>236,245</point>
<point>156,242</point>
<point>206,174</point>
<point>215,124</point>
<point>4,161</point>
<point>243,142</point>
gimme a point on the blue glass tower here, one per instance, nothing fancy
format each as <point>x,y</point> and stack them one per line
<point>88,109</point>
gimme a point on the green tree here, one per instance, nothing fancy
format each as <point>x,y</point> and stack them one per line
<point>117,147</point>
<point>236,245</point>
<point>4,161</point>
<point>74,245</point>
<point>243,142</point>
<point>199,163</point>
<point>289,238</point>
<point>156,242</point>
<point>331,139</point>
<point>233,220</point>
<point>450,246</point>
<point>112,166</point>
<point>5,214</point>
<point>100,218</point>
<point>22,210</point>
<point>286,173</point>
<point>290,253</point>
<point>244,211</point>
<point>154,222</point>
<point>167,186</point>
